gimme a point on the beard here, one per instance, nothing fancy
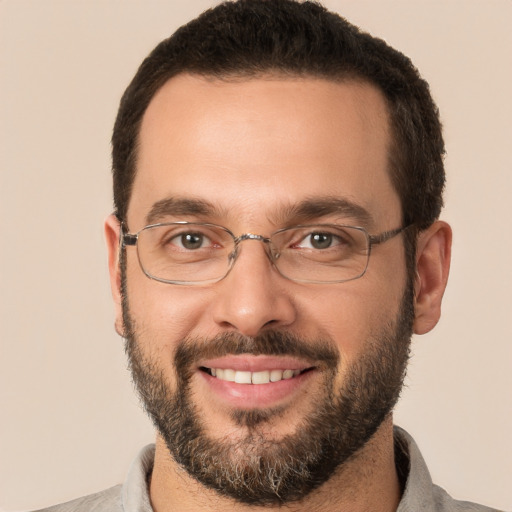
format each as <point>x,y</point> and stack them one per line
<point>254,468</point>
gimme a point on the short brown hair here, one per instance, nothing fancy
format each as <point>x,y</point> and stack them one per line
<point>249,38</point>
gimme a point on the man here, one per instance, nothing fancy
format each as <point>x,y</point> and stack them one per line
<point>278,181</point>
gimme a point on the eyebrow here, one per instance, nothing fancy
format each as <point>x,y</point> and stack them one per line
<point>307,210</point>
<point>179,206</point>
<point>317,207</point>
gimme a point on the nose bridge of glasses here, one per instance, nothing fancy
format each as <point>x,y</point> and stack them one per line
<point>251,236</point>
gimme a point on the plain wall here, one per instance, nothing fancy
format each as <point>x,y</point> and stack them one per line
<point>69,421</point>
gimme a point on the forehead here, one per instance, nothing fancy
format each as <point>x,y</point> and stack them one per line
<point>253,147</point>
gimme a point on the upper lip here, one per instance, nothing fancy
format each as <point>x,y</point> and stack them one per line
<point>253,363</point>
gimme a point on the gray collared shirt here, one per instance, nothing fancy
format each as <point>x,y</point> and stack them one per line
<point>420,494</point>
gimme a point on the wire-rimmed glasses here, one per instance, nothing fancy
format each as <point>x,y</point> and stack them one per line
<point>189,253</point>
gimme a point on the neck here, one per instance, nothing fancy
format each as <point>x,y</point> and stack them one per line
<point>368,481</point>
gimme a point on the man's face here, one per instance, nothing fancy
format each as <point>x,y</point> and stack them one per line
<point>249,152</point>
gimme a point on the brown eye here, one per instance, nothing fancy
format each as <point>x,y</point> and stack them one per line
<point>321,240</point>
<point>191,240</point>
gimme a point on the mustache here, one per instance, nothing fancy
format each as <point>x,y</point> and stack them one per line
<point>270,343</point>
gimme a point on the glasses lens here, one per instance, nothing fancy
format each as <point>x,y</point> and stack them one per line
<point>184,252</point>
<point>322,253</point>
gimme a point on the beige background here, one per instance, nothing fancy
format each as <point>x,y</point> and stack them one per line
<point>69,422</point>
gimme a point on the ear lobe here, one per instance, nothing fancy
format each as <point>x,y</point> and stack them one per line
<point>112,236</point>
<point>433,255</point>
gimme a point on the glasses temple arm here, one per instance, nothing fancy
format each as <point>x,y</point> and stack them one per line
<point>387,235</point>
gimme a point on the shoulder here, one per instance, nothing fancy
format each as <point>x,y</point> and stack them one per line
<point>444,502</point>
<point>420,493</point>
<point>131,496</point>
<point>108,500</point>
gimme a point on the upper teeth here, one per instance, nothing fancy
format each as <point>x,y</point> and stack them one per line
<point>263,377</point>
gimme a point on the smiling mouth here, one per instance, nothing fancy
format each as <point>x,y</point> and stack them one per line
<point>247,377</point>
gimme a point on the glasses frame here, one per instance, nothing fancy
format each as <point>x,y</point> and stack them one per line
<point>131,239</point>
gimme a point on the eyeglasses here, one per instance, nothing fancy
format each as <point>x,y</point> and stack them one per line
<point>189,253</point>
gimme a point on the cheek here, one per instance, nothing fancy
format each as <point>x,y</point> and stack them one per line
<point>162,314</point>
<point>354,314</point>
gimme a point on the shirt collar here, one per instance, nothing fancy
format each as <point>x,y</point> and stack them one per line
<point>135,491</point>
<point>418,491</point>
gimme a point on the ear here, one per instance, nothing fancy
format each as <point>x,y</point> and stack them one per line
<point>112,234</point>
<point>433,255</point>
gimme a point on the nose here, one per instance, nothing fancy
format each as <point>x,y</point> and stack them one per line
<point>253,296</point>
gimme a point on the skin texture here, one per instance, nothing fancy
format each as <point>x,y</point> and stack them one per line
<point>254,148</point>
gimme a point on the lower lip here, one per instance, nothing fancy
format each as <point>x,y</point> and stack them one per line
<point>253,396</point>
